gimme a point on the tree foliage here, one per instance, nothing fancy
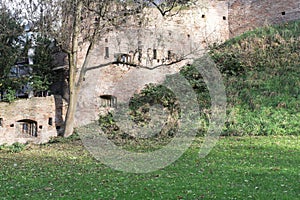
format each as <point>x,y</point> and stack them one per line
<point>10,30</point>
<point>15,43</point>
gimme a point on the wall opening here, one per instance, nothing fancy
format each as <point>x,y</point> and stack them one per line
<point>12,125</point>
<point>224,18</point>
<point>203,16</point>
<point>106,52</point>
<point>108,101</point>
<point>50,121</point>
<point>140,55</point>
<point>154,54</point>
<point>169,55</point>
<point>27,127</point>
<point>1,122</point>
<point>283,13</point>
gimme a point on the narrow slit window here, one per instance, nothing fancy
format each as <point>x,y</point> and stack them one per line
<point>1,122</point>
<point>50,121</point>
<point>169,55</point>
<point>106,52</point>
<point>154,54</point>
<point>140,55</point>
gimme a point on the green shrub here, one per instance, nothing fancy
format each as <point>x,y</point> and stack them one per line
<point>10,95</point>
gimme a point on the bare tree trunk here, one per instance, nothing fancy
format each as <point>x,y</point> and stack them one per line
<point>69,121</point>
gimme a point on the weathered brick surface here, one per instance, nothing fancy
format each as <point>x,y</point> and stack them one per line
<point>245,15</point>
<point>46,112</point>
<point>183,34</point>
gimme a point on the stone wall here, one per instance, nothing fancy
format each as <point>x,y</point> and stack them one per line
<point>246,15</point>
<point>158,40</point>
<point>31,120</point>
<point>154,44</point>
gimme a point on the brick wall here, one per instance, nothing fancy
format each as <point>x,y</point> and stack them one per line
<point>186,33</point>
<point>246,15</point>
<point>182,34</point>
<point>35,120</point>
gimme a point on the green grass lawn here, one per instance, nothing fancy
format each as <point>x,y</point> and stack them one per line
<point>237,168</point>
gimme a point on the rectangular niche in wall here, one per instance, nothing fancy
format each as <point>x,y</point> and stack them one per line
<point>106,52</point>
<point>27,127</point>
<point>154,54</point>
<point>50,121</point>
<point>169,54</point>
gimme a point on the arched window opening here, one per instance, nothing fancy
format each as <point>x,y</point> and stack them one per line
<point>27,127</point>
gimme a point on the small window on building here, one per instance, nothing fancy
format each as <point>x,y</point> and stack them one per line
<point>106,52</point>
<point>154,54</point>
<point>12,125</point>
<point>1,122</point>
<point>203,16</point>
<point>106,40</point>
<point>224,18</point>
<point>283,13</point>
<point>140,55</point>
<point>169,55</point>
<point>40,127</point>
<point>188,35</point>
<point>27,127</point>
<point>108,101</point>
<point>50,121</point>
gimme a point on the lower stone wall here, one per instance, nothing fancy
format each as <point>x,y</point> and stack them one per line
<point>31,120</point>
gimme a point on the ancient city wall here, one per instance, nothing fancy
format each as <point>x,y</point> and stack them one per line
<point>31,120</point>
<point>246,15</point>
<point>161,39</point>
<point>154,44</point>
